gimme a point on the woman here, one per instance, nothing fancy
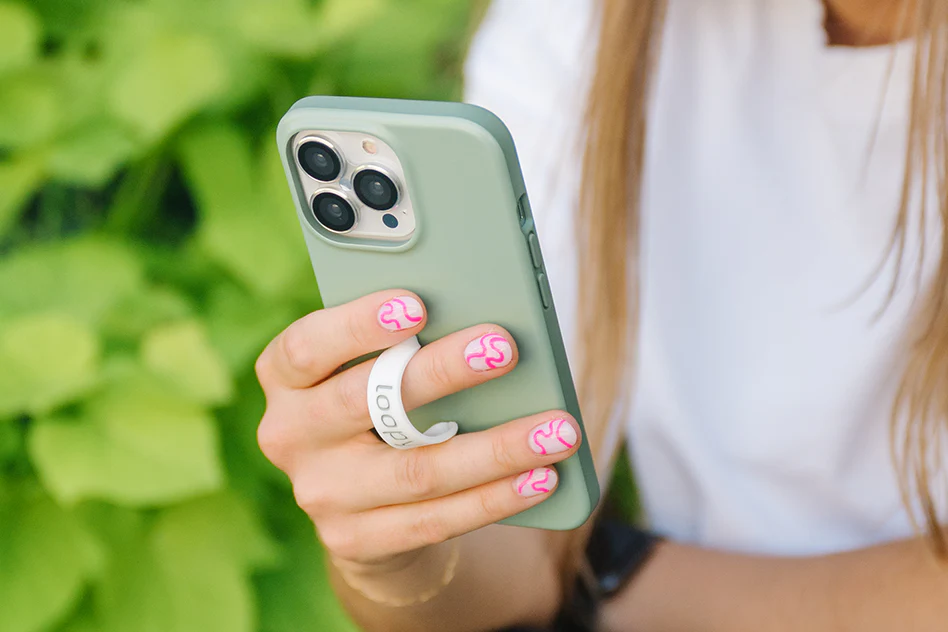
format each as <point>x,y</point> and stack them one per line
<point>736,234</point>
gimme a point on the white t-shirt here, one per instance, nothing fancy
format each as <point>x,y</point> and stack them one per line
<point>761,408</point>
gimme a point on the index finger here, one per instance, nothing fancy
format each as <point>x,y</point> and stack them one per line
<point>313,347</point>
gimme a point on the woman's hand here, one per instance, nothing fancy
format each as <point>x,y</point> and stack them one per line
<point>370,502</point>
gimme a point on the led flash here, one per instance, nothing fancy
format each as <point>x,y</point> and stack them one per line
<point>369,147</point>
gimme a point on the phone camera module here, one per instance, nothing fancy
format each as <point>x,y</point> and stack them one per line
<point>375,189</point>
<point>319,160</point>
<point>334,212</point>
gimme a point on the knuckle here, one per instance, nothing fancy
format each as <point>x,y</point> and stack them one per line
<point>262,367</point>
<point>339,539</point>
<point>298,349</point>
<point>356,333</point>
<point>272,439</point>
<point>503,454</point>
<point>429,529</point>
<point>314,498</point>
<point>490,504</point>
<point>415,474</point>
<point>350,396</point>
<point>438,372</point>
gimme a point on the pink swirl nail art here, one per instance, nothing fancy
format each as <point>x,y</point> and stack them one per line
<point>535,482</point>
<point>553,436</point>
<point>490,351</point>
<point>400,313</point>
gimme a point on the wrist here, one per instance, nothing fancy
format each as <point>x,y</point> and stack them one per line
<point>380,569</point>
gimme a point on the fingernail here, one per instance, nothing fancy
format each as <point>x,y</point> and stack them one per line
<point>537,481</point>
<point>401,312</point>
<point>490,351</point>
<point>557,435</point>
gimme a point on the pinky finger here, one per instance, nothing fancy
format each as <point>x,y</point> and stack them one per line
<point>396,529</point>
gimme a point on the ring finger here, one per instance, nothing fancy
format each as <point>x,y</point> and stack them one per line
<point>466,461</point>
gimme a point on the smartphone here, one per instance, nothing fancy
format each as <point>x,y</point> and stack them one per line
<point>429,196</point>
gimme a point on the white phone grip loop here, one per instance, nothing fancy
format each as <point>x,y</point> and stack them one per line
<point>385,401</point>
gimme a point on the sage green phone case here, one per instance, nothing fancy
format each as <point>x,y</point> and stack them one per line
<point>468,259</point>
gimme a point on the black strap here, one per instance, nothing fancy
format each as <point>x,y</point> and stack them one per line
<point>616,552</point>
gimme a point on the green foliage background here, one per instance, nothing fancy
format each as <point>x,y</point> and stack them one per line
<point>148,251</point>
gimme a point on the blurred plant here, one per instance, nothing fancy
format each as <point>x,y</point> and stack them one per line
<point>148,251</point>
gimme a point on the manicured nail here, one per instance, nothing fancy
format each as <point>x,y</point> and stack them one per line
<point>400,313</point>
<point>490,351</point>
<point>538,481</point>
<point>557,435</point>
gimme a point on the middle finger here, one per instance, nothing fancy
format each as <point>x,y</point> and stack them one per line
<point>338,409</point>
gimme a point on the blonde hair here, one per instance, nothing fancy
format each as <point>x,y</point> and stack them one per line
<point>608,234</point>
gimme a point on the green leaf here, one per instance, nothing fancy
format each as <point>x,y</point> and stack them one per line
<point>291,28</point>
<point>20,32</point>
<point>256,256</point>
<point>238,228</point>
<point>11,444</point>
<point>406,50</point>
<point>31,108</point>
<point>298,596</point>
<point>134,444</point>
<point>281,27</point>
<point>83,278</point>
<point>178,577</point>
<point>169,79</point>
<point>219,166</point>
<point>91,155</point>
<point>250,473</point>
<point>85,622</point>
<point>112,525</point>
<point>226,523</point>
<point>275,194</point>
<point>69,17</point>
<point>208,583</point>
<point>41,564</point>
<point>184,267</point>
<point>144,310</point>
<point>341,18</point>
<point>18,180</point>
<point>181,353</point>
<point>239,329</point>
<point>47,360</point>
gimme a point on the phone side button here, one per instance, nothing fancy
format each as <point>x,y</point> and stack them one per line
<point>545,295</point>
<point>523,209</point>
<point>534,246</point>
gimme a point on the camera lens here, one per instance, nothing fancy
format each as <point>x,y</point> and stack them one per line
<point>333,212</point>
<point>319,161</point>
<point>375,189</point>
